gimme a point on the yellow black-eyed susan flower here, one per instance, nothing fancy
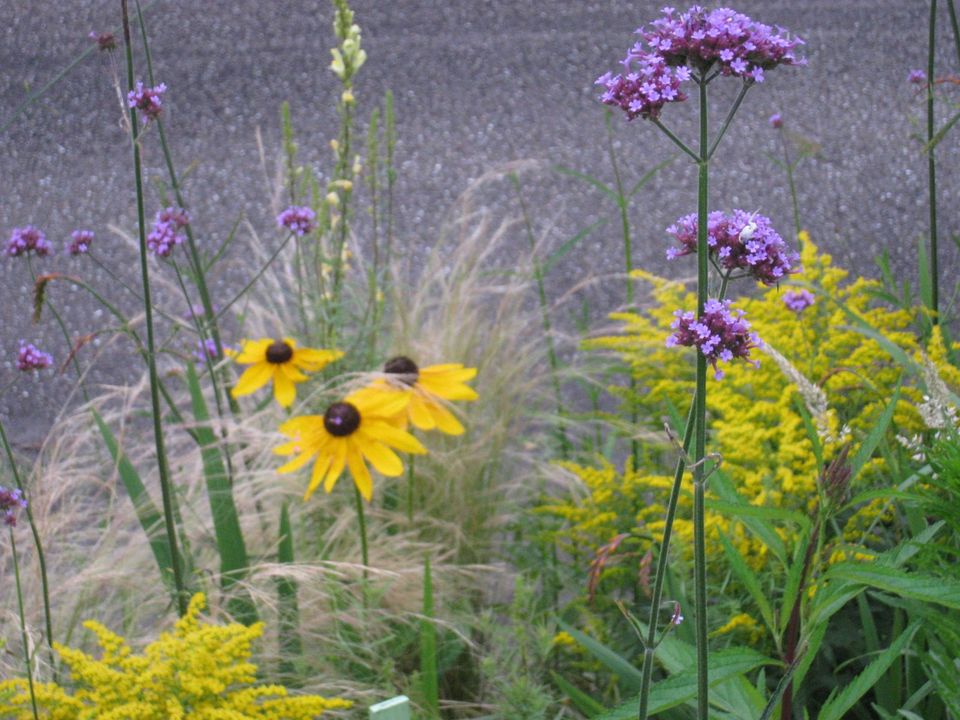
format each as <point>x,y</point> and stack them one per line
<point>280,361</point>
<point>348,434</point>
<point>429,389</point>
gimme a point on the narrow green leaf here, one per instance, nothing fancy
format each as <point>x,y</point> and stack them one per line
<point>630,676</point>
<point>791,589</point>
<point>288,608</point>
<point>837,705</point>
<point>682,687</point>
<point>558,254</point>
<point>876,434</point>
<point>750,581</point>
<point>649,175</point>
<point>941,133</point>
<point>428,646</point>
<point>587,179</point>
<point>583,702</point>
<point>151,520</point>
<point>226,521</point>
<point>938,590</point>
<point>743,512</point>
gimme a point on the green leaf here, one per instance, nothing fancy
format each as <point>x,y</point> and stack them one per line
<point>837,705</point>
<point>151,520</point>
<point>558,254</point>
<point>288,608</point>
<point>583,702</point>
<point>750,581</point>
<point>876,434</point>
<point>606,189</point>
<point>428,646</point>
<point>678,689</point>
<point>938,590</point>
<point>750,515</point>
<point>630,676</point>
<point>935,140</point>
<point>226,521</point>
<point>649,175</point>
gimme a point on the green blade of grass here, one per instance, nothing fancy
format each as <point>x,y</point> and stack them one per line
<point>288,609</point>
<point>583,702</point>
<point>428,646</point>
<point>837,706</point>
<point>226,522</point>
<point>151,520</point>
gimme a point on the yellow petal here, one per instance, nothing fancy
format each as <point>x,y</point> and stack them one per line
<point>283,389</point>
<point>393,437</point>
<point>319,468</point>
<point>379,401</point>
<point>358,468</point>
<point>337,461</point>
<point>446,420</point>
<point>420,414</point>
<point>302,425</point>
<point>313,360</point>
<point>382,458</point>
<point>298,462</point>
<point>253,351</point>
<point>455,372</point>
<point>252,379</point>
<point>291,372</point>
<point>449,383</point>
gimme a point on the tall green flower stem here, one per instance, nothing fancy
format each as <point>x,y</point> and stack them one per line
<point>791,183</point>
<point>364,551</point>
<point>197,267</point>
<point>163,469</point>
<point>545,312</point>
<point>41,558</point>
<point>23,625</point>
<point>932,170</point>
<point>695,429</point>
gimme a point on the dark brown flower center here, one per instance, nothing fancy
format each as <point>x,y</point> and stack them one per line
<point>279,352</point>
<point>405,367</point>
<point>341,419</point>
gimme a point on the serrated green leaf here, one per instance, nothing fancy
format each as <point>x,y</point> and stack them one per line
<point>938,590</point>
<point>837,705</point>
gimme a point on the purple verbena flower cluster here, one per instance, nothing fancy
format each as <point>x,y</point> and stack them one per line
<point>798,300</point>
<point>720,335</point>
<point>166,235</point>
<point>80,241</point>
<point>298,220</point>
<point>26,240</point>
<point>29,357</point>
<point>647,86</point>
<point>699,40</point>
<point>104,40</point>
<point>147,100</point>
<point>206,349</point>
<point>736,44</point>
<point>739,241</point>
<point>11,500</point>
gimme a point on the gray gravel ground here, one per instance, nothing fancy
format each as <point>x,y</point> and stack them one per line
<point>478,84</point>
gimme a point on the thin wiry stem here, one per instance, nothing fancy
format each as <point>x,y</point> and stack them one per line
<point>23,626</point>
<point>41,558</point>
<point>165,484</point>
<point>676,141</point>
<point>733,111</point>
<point>932,170</point>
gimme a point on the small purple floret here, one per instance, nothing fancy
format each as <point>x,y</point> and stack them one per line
<point>798,300</point>
<point>165,235</point>
<point>105,40</point>
<point>29,357</point>
<point>80,241</point>
<point>721,336</point>
<point>738,241</point>
<point>298,220</point>
<point>917,77</point>
<point>147,100</point>
<point>776,122</point>
<point>26,240</point>
<point>11,500</point>
<point>206,350</point>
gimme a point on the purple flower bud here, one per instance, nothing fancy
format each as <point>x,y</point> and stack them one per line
<point>798,300</point>
<point>917,77</point>
<point>147,100</point>
<point>29,357</point>
<point>26,240</point>
<point>776,122</point>
<point>105,40</point>
<point>298,220</point>
<point>80,241</point>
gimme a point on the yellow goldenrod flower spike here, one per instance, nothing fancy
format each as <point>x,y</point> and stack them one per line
<point>280,361</point>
